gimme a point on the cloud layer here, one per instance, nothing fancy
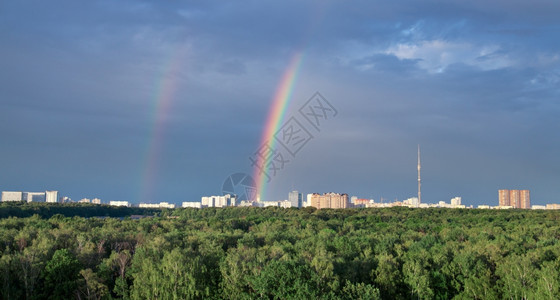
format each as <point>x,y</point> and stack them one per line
<point>476,84</point>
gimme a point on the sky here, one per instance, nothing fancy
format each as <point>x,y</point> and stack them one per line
<point>150,101</point>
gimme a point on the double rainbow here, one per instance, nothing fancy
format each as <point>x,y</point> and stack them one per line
<point>165,89</point>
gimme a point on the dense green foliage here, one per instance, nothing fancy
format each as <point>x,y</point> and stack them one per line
<point>47,210</point>
<point>272,253</point>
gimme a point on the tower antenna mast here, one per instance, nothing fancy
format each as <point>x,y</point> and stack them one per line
<point>419,181</point>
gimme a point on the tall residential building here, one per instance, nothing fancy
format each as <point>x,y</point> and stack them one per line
<point>503,198</point>
<point>329,200</point>
<point>296,199</point>
<point>514,198</point>
<point>525,199</point>
<point>51,196</point>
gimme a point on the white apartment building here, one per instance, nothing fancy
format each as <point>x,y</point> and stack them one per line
<point>192,204</point>
<point>166,205</point>
<point>308,202</point>
<point>411,202</point>
<point>270,203</point>
<point>12,196</point>
<point>156,205</point>
<point>47,196</point>
<point>34,197</point>
<point>218,201</point>
<point>119,203</point>
<point>51,196</point>
<point>456,201</point>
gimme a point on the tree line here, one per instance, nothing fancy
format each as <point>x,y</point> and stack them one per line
<point>275,253</point>
<point>87,210</point>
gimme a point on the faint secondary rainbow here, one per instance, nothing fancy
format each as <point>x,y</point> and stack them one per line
<point>275,119</point>
<point>165,88</point>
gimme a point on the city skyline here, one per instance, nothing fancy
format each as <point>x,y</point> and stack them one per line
<point>161,102</point>
<point>507,199</point>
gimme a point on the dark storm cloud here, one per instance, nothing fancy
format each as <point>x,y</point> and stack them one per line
<point>476,83</point>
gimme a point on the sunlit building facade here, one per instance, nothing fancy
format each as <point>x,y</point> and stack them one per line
<point>218,201</point>
<point>525,199</point>
<point>119,203</point>
<point>51,196</point>
<point>329,200</point>
<point>514,198</point>
<point>12,196</point>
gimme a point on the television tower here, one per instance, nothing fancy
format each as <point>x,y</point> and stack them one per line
<point>419,182</point>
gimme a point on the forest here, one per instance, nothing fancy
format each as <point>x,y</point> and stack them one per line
<point>97,252</point>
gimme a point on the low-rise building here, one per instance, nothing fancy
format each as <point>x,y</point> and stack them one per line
<point>553,206</point>
<point>218,201</point>
<point>166,205</point>
<point>270,203</point>
<point>191,204</point>
<point>156,205</point>
<point>286,204</point>
<point>34,196</point>
<point>456,201</point>
<point>119,203</point>
<point>411,202</point>
<point>361,202</point>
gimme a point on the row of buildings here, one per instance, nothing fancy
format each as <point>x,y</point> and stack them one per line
<point>319,201</point>
<point>53,197</point>
<point>46,196</point>
<point>213,201</point>
<point>506,199</point>
<point>143,205</point>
